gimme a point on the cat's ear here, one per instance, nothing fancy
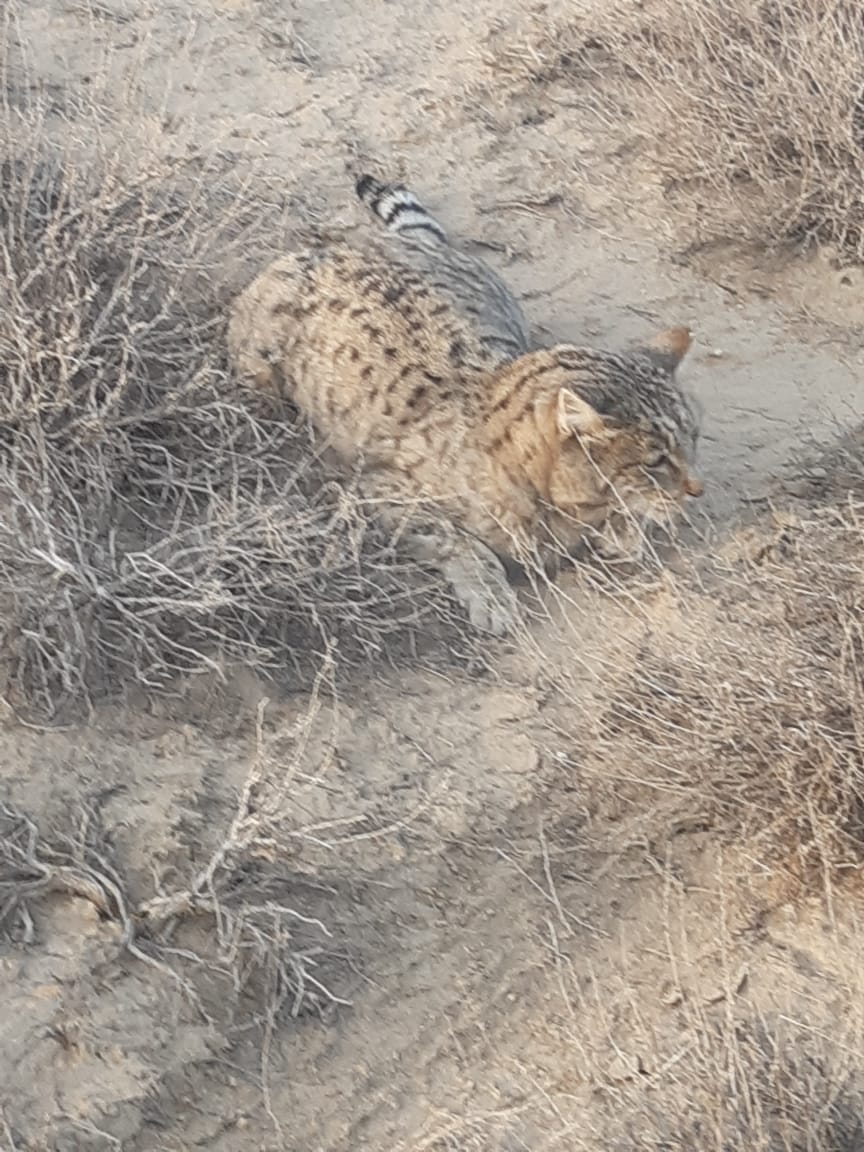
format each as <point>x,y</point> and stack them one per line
<point>576,417</point>
<point>669,347</point>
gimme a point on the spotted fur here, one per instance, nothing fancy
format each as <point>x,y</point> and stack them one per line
<point>471,455</point>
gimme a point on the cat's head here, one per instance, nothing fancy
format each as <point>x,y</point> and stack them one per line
<point>625,434</point>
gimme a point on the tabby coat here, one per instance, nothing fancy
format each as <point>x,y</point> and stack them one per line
<point>412,358</point>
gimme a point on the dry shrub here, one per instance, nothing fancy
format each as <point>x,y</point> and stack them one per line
<point>733,1082</point>
<point>754,109</point>
<point>743,1086</point>
<point>239,924</point>
<point>153,520</point>
<point>747,712</point>
<point>246,893</point>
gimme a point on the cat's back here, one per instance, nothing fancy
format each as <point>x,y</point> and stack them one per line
<point>367,347</point>
<point>471,288</point>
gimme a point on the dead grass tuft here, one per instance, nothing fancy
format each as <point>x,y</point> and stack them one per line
<point>757,1087</point>
<point>153,520</point>
<point>746,713</point>
<point>753,110</point>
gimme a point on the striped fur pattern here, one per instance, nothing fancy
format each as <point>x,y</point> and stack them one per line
<point>472,288</point>
<point>470,456</point>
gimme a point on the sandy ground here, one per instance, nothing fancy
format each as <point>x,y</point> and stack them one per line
<point>516,953</point>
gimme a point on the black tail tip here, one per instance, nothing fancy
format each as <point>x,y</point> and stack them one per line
<point>364,185</point>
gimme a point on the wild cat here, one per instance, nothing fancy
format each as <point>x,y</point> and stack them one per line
<point>412,359</point>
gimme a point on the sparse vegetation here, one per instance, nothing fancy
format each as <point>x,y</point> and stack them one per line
<point>250,934</point>
<point>155,521</point>
<point>751,1086</point>
<point>752,110</point>
<point>549,973</point>
<point>750,708</point>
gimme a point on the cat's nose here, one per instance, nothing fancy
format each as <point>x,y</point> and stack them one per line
<point>693,486</point>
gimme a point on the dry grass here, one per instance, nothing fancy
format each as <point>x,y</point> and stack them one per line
<point>726,1081</point>
<point>154,520</point>
<point>746,708</point>
<point>745,711</point>
<point>747,1086</point>
<point>752,110</point>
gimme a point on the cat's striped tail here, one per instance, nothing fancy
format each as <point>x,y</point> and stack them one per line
<point>398,209</point>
